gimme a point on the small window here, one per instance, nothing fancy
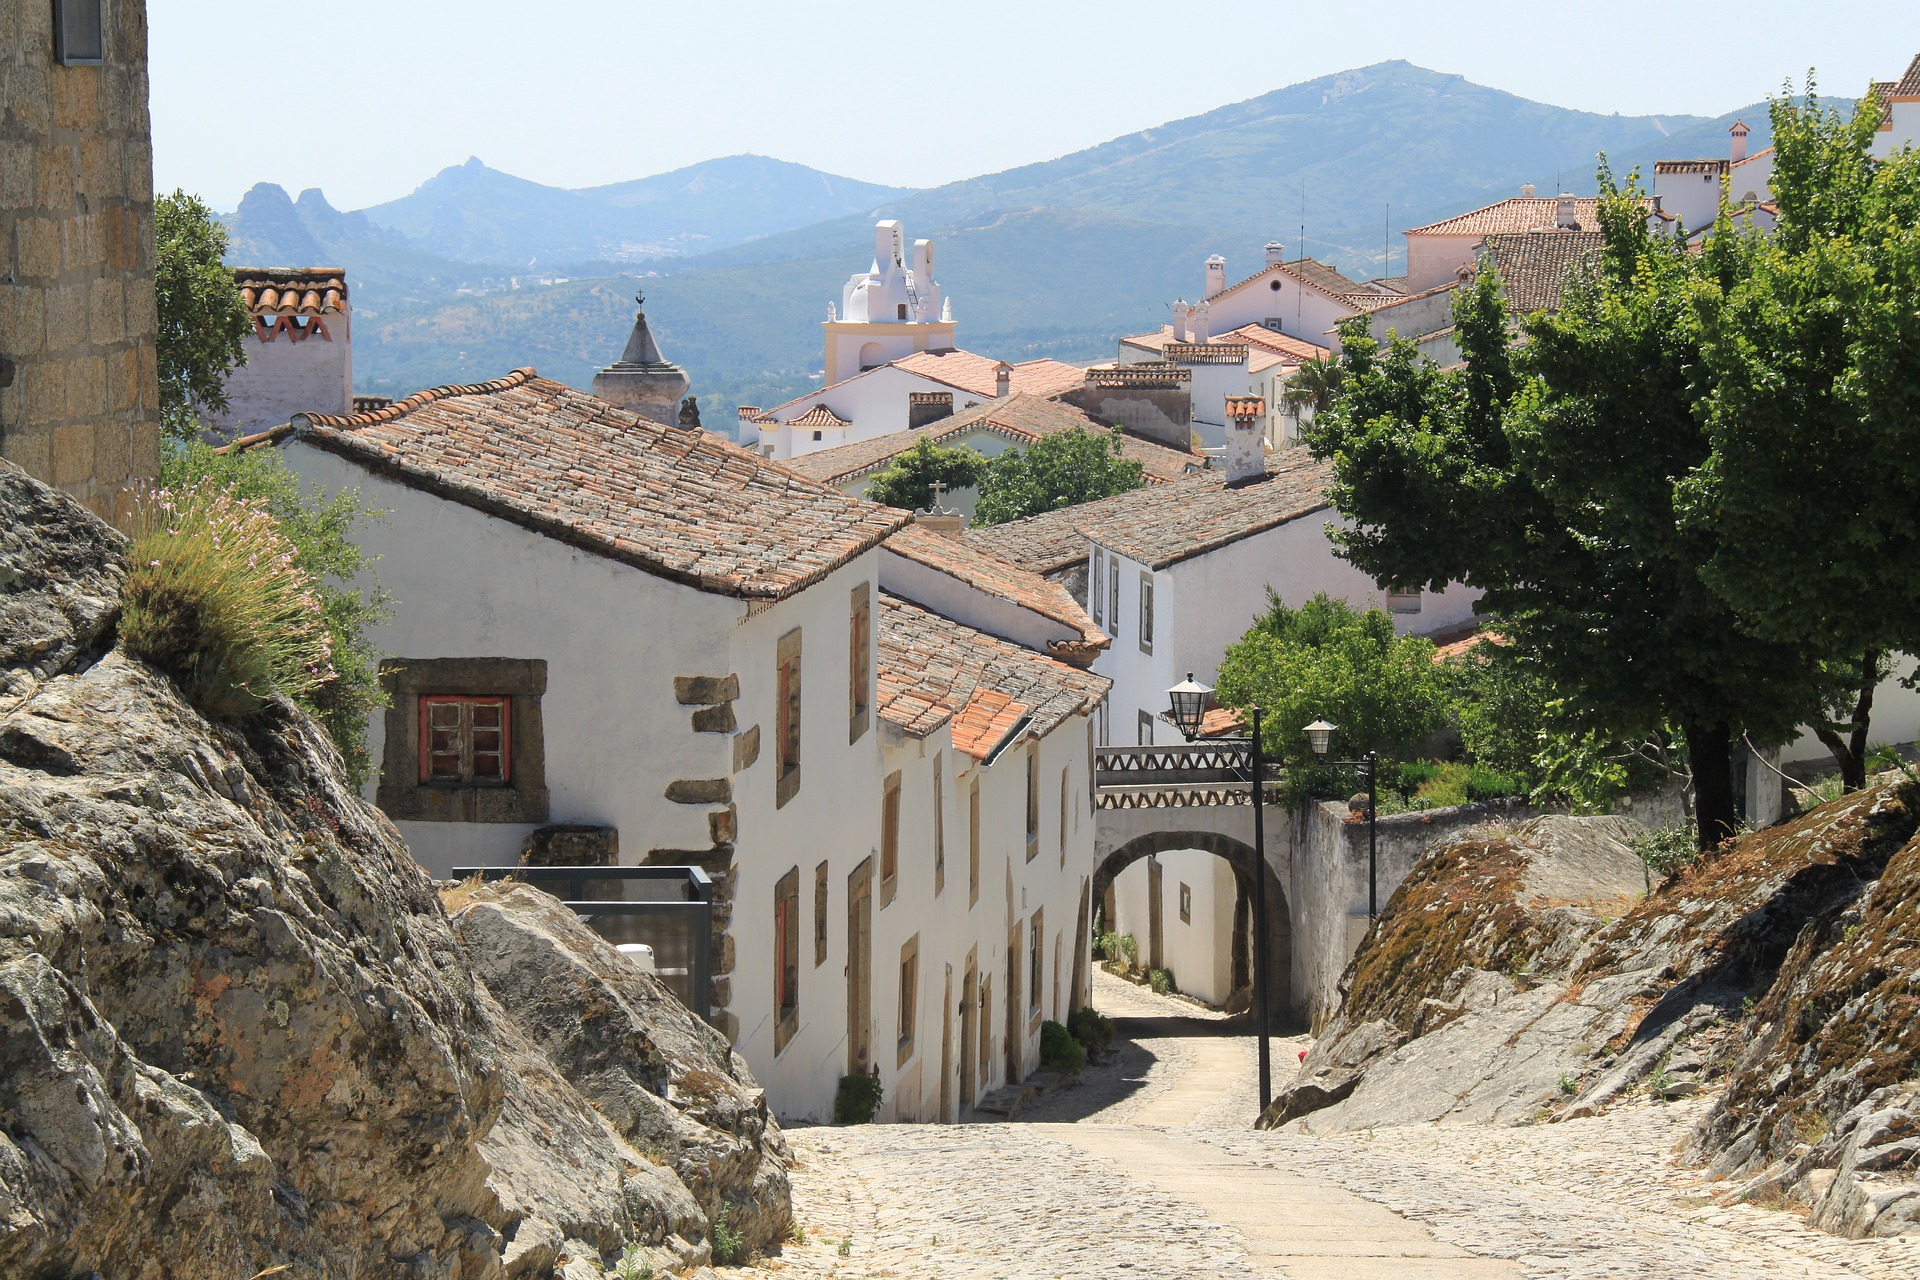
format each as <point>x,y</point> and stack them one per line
<point>820,915</point>
<point>1036,952</point>
<point>1145,730</point>
<point>859,661</point>
<point>939,823</point>
<point>786,958</point>
<point>1113,596</point>
<point>816,435</point>
<point>973,841</point>
<point>1186,903</point>
<point>909,998</point>
<point>1064,775</point>
<point>1274,285</point>
<point>1403,599</point>
<point>464,741</point>
<point>1033,801</point>
<point>1099,590</point>
<point>787,718</point>
<point>903,310</point>
<point>1146,613</point>
<point>79,33</point>
<point>890,838</point>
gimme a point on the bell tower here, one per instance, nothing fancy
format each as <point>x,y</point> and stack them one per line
<point>894,308</point>
<point>642,379</point>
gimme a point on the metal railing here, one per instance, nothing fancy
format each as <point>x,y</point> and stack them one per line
<point>1193,776</point>
<point>667,908</point>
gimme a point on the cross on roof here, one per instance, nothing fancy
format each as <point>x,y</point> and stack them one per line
<point>938,487</point>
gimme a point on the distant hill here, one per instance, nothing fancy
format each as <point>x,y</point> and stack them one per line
<point>476,214</point>
<point>1057,258</point>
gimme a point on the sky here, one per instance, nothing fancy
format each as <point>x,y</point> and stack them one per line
<point>367,99</point>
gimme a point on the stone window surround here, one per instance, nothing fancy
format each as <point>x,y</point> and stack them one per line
<point>909,1000</point>
<point>1033,800</point>
<point>786,947</point>
<point>820,917</point>
<point>1186,903</point>
<point>890,838</point>
<point>973,839</point>
<point>402,796</point>
<point>1036,962</point>
<point>939,822</point>
<point>860,662</point>
<point>1145,626</point>
<point>788,712</point>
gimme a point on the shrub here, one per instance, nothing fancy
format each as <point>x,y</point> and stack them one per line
<point>1093,1029</point>
<point>1668,849</point>
<point>1059,1051</point>
<point>214,597</point>
<point>632,1266</point>
<point>1413,774</point>
<point>857,1100</point>
<point>1487,783</point>
<point>1129,950</point>
<point>1161,980</point>
<point>729,1247</point>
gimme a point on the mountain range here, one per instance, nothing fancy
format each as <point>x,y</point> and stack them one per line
<point>740,256</point>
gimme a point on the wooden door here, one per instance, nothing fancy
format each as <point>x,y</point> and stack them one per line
<point>860,969</point>
<point>985,1024</point>
<point>1014,999</point>
<point>969,1000</point>
<point>946,1050</point>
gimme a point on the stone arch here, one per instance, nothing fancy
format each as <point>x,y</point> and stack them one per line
<point>1241,857</point>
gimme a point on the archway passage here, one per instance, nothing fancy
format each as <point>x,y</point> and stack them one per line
<point>1241,858</point>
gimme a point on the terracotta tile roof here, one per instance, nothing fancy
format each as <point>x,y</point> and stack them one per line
<point>1908,85</point>
<point>1215,722</point>
<point>1754,156</point>
<point>1296,350</point>
<point>1692,166</point>
<point>1021,418</point>
<point>974,374</point>
<point>933,670</point>
<point>292,291</point>
<point>1520,213</point>
<point>1166,524</point>
<point>1444,652</point>
<point>975,566</point>
<point>1315,274</point>
<point>682,504</point>
<point>1534,266</point>
<point>819,416</point>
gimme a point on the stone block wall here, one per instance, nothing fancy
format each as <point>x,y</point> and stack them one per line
<point>79,394</point>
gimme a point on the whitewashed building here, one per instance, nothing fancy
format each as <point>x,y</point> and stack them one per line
<point>299,351</point>
<point>892,309</point>
<point>1901,125</point>
<point>868,736</point>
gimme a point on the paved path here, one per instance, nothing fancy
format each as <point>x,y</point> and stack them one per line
<point>1149,1168</point>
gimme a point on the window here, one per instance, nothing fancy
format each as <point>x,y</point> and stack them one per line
<point>890,838</point>
<point>816,435</point>
<point>819,915</point>
<point>787,719</point>
<point>1099,586</point>
<point>973,841</point>
<point>1113,596</point>
<point>1036,952</point>
<point>939,822</point>
<point>1146,613</point>
<point>1064,774</point>
<point>463,740</point>
<point>786,958</point>
<point>903,310</point>
<point>1145,730</point>
<point>1033,801</point>
<point>79,33</point>
<point>1403,599</point>
<point>1186,903</point>
<point>909,997</point>
<point>859,661</point>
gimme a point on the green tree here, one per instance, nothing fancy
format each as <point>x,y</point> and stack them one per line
<point>1546,473</point>
<point>202,319</point>
<point>1314,386</point>
<point>1813,356</point>
<point>1326,660</point>
<point>908,481</point>
<point>351,597</point>
<point>1060,470</point>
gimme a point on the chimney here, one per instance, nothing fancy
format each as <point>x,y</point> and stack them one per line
<point>1739,132</point>
<point>1565,219</point>
<point>746,430</point>
<point>925,407</point>
<point>1526,191</point>
<point>1198,322</point>
<point>1180,310</point>
<point>1002,380</point>
<point>1276,253</point>
<point>1216,276</point>
<point>1246,452</point>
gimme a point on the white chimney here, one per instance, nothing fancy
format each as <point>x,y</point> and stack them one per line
<point>1216,276</point>
<point>1565,219</point>
<point>1246,451</point>
<point>1276,253</point>
<point>1198,322</point>
<point>1739,132</point>
<point>1002,380</point>
<point>1180,310</point>
<point>1526,191</point>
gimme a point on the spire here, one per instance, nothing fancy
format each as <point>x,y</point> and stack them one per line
<point>641,348</point>
<point>642,379</point>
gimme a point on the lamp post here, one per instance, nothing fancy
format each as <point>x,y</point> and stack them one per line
<point>1320,737</point>
<point>1189,706</point>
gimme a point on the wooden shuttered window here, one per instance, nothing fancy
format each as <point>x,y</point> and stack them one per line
<point>465,741</point>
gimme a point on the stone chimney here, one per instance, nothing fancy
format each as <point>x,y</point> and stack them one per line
<point>1246,452</point>
<point>924,407</point>
<point>1216,276</point>
<point>1739,132</point>
<point>1002,380</point>
<point>1565,219</point>
<point>1180,310</point>
<point>1276,253</point>
<point>1199,323</point>
<point>1526,191</point>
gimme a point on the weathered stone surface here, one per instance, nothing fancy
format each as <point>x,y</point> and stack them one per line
<point>571,844</point>
<point>237,1028</point>
<point>700,790</point>
<point>705,691</point>
<point>746,748</point>
<point>59,583</point>
<point>714,719</point>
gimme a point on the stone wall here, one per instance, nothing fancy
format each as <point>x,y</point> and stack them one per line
<point>79,397</point>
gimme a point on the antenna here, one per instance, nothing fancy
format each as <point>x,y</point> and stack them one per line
<point>1386,244</point>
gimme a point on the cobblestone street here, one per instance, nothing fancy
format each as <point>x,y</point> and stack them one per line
<point>1149,1167</point>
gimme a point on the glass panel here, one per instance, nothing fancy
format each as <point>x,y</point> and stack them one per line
<point>444,740</point>
<point>486,766</point>
<point>443,715</point>
<point>486,715</point>
<point>445,766</point>
<point>487,740</point>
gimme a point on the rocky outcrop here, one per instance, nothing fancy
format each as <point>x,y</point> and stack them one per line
<point>238,1029</point>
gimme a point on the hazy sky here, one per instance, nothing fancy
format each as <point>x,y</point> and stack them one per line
<point>368,98</point>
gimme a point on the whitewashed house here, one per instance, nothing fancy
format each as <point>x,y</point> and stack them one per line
<point>1901,125</point>
<point>645,633</point>
<point>299,350</point>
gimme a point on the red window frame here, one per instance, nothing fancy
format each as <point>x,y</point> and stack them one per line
<point>465,773</point>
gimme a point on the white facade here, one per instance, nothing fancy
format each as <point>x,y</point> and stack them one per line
<point>294,364</point>
<point>1276,298</point>
<point>869,404</point>
<point>890,310</point>
<point>616,735</point>
<point>1179,907</point>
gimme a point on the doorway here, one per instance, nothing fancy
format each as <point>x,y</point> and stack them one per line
<point>860,969</point>
<point>946,1050</point>
<point>969,1001</point>
<point>1012,1001</point>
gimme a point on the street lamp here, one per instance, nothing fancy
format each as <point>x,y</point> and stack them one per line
<point>1188,701</point>
<point>1320,737</point>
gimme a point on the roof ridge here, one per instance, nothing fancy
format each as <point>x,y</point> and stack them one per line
<point>418,400</point>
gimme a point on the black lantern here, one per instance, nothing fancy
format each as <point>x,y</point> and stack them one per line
<point>1320,736</point>
<point>1189,705</point>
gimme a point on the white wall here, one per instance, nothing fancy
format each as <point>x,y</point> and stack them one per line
<point>1436,259</point>
<point>283,377</point>
<point>1303,312</point>
<point>873,403</point>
